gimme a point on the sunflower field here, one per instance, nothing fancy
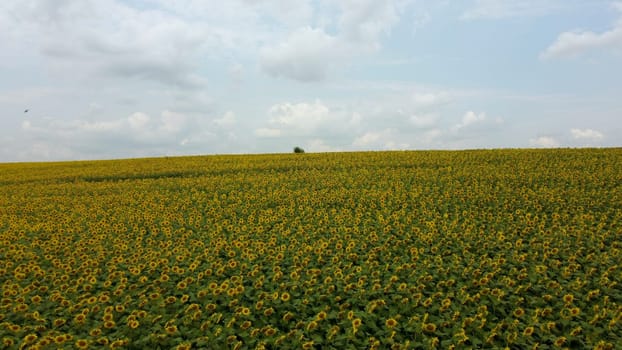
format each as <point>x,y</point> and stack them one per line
<point>513,249</point>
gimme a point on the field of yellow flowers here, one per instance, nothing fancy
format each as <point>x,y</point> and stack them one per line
<point>405,250</point>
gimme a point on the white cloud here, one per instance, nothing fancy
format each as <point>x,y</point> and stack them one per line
<point>470,118</point>
<point>368,139</point>
<point>386,139</point>
<point>544,141</point>
<point>228,120</point>
<point>291,13</point>
<point>365,21</point>
<point>499,9</point>
<point>319,145</point>
<point>26,124</point>
<point>429,99</point>
<point>423,120</point>
<point>310,53</point>
<point>572,43</point>
<point>301,116</point>
<point>430,136</point>
<point>156,41</point>
<point>306,55</point>
<point>172,122</point>
<point>138,134</point>
<point>138,120</point>
<point>586,134</point>
<point>267,132</point>
<point>311,119</point>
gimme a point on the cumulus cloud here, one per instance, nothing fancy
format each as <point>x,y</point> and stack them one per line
<point>228,120</point>
<point>308,119</point>
<point>115,40</point>
<point>470,118</point>
<point>137,134</point>
<point>387,139</point>
<point>365,21</point>
<point>586,134</point>
<point>572,43</point>
<point>311,53</point>
<point>306,55</point>
<point>301,116</point>
<point>319,145</point>
<point>159,41</point>
<point>544,142</point>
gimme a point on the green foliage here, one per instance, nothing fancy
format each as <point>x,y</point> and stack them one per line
<point>472,249</point>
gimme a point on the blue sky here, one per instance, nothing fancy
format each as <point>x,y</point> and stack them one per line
<point>119,79</point>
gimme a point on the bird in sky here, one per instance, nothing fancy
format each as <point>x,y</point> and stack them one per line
<point>26,111</point>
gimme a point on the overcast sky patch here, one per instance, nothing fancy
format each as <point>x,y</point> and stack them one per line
<point>118,78</point>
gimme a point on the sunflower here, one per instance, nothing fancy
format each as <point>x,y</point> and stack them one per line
<point>429,327</point>
<point>268,332</point>
<point>576,331</point>
<point>312,325</point>
<point>568,298</point>
<point>8,342</point>
<point>82,344</point>
<point>321,316</point>
<point>172,329</point>
<point>80,318</point>
<point>184,346</point>
<point>560,341</point>
<point>446,302</point>
<point>118,343</point>
<point>427,302</point>
<point>390,323</point>
<point>528,331</point>
<point>285,297</point>
<point>59,339</point>
<point>30,338</point>
<point>575,311</point>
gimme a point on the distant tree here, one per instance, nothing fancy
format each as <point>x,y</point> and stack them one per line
<point>298,150</point>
